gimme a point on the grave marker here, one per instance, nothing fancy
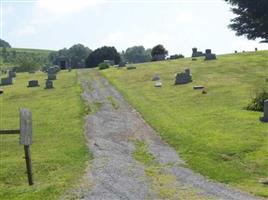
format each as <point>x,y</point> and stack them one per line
<point>49,84</point>
<point>265,112</point>
<point>184,77</point>
<point>33,83</point>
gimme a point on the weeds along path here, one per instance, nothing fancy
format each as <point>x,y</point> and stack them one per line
<point>130,159</point>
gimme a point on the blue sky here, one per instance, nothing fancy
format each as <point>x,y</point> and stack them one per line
<point>177,24</point>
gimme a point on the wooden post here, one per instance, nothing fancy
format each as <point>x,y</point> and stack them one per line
<point>28,164</point>
<point>26,139</point>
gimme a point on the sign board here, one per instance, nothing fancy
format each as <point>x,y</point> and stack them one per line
<point>25,127</point>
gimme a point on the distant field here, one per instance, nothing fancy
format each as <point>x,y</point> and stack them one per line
<point>29,50</point>
<point>212,132</point>
<point>59,151</point>
<point>39,55</point>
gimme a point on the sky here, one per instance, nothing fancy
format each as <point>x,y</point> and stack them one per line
<point>177,24</point>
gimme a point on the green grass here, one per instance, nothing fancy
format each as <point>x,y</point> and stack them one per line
<point>213,132</point>
<point>25,50</point>
<point>59,152</point>
<point>161,182</point>
<point>113,102</point>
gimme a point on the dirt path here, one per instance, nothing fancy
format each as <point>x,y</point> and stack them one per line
<point>113,128</point>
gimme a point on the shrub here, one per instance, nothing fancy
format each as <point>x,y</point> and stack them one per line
<point>257,103</point>
<point>103,66</point>
<point>27,65</point>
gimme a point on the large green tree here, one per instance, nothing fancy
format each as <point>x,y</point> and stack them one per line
<point>159,53</point>
<point>101,54</point>
<point>252,18</point>
<point>77,55</point>
<point>137,54</point>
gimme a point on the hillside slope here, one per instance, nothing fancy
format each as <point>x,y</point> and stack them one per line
<point>10,57</point>
<point>213,132</point>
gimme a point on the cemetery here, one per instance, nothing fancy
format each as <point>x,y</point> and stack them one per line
<point>217,131</point>
<point>52,138</point>
<point>179,103</point>
<point>161,102</point>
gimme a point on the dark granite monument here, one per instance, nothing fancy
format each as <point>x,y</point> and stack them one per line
<point>33,83</point>
<point>184,77</point>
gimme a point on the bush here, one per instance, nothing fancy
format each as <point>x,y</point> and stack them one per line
<point>257,103</point>
<point>103,66</point>
<point>27,65</point>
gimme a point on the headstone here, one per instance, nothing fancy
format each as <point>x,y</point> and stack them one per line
<point>158,84</point>
<point>51,76</point>
<point>11,74</point>
<point>208,51</point>
<point>33,83</point>
<point>265,112</point>
<point>235,51</point>
<point>49,84</point>
<point>156,78</point>
<point>198,87</point>
<point>197,53</point>
<point>183,78</point>
<point>6,81</point>
<point>53,70</point>
<point>210,57</point>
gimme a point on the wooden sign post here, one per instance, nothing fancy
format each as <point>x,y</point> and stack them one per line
<point>26,139</point>
<point>25,132</point>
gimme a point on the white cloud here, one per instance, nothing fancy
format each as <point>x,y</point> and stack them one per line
<point>27,30</point>
<point>66,7</point>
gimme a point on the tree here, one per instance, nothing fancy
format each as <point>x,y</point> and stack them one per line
<point>27,64</point>
<point>78,54</point>
<point>159,53</point>
<point>5,44</point>
<point>101,54</point>
<point>137,54</point>
<point>252,19</point>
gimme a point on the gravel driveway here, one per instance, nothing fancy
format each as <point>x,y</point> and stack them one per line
<point>112,127</point>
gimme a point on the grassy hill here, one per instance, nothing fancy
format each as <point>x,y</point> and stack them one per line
<point>59,152</point>
<point>213,132</point>
<point>13,55</point>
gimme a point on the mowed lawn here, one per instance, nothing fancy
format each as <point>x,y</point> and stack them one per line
<point>213,132</point>
<point>59,152</point>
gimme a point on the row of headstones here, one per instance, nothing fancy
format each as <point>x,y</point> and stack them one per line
<point>208,55</point>
<point>181,78</point>
<point>51,75</point>
<point>35,83</point>
<point>256,49</point>
<point>11,74</point>
<point>186,77</point>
